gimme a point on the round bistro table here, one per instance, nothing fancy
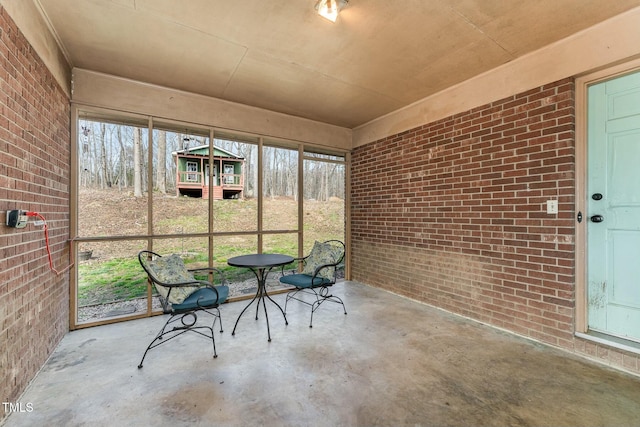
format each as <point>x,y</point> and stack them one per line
<point>261,265</point>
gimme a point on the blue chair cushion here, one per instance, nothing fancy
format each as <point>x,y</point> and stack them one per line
<point>303,280</point>
<point>203,297</point>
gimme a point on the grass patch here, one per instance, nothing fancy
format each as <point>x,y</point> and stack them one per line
<point>116,275</point>
<point>123,279</point>
<point>109,281</point>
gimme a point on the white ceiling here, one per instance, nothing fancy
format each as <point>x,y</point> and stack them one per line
<point>379,56</point>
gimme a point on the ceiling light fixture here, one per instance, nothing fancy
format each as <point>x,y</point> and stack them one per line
<point>329,9</point>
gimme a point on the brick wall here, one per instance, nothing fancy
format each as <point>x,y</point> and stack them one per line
<point>453,213</point>
<point>34,175</point>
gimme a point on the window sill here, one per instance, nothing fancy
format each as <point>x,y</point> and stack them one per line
<point>611,341</point>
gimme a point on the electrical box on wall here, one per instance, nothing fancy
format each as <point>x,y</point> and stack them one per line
<point>17,218</point>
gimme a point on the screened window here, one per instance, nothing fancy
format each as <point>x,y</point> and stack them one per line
<point>145,184</point>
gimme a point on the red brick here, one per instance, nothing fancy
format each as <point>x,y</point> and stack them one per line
<point>483,178</point>
<point>34,125</point>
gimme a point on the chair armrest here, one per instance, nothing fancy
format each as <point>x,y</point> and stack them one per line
<point>207,270</point>
<point>181,284</point>
<point>320,267</point>
<point>293,270</point>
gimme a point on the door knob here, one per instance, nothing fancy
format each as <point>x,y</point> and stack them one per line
<point>596,196</point>
<point>597,218</point>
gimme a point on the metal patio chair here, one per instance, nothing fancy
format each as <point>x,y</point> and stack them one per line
<point>316,273</point>
<point>182,297</point>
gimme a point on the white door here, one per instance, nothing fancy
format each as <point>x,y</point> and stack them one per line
<point>613,207</point>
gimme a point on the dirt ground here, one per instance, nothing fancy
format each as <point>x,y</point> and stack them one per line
<point>104,214</point>
<point>112,212</point>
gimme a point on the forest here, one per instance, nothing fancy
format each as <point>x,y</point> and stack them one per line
<point>117,155</point>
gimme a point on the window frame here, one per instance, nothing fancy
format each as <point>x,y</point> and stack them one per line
<point>85,112</point>
<point>192,175</point>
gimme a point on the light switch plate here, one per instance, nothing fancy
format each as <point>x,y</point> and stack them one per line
<point>552,206</point>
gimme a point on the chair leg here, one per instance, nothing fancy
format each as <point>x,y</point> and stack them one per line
<point>143,356</point>
<point>189,325</point>
<point>315,305</point>
<point>320,297</point>
<point>158,337</point>
<point>217,317</point>
<point>339,301</point>
<point>290,295</point>
<point>323,298</point>
<point>142,360</point>
<point>213,340</point>
<point>286,300</point>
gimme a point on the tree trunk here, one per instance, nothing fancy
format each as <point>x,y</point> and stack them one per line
<point>161,171</point>
<point>103,156</point>
<point>326,182</point>
<point>123,182</point>
<point>137,163</point>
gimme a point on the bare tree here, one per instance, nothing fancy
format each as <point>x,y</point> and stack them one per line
<point>114,153</point>
<point>171,164</point>
<point>137,162</point>
<point>323,192</point>
<point>291,177</point>
<point>161,171</point>
<point>123,180</point>
<point>103,156</point>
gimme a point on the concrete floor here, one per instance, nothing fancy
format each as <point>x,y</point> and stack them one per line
<point>389,362</point>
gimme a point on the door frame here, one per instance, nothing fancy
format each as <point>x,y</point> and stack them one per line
<point>582,84</point>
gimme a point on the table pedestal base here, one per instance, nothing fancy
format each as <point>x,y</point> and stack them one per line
<point>261,295</point>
